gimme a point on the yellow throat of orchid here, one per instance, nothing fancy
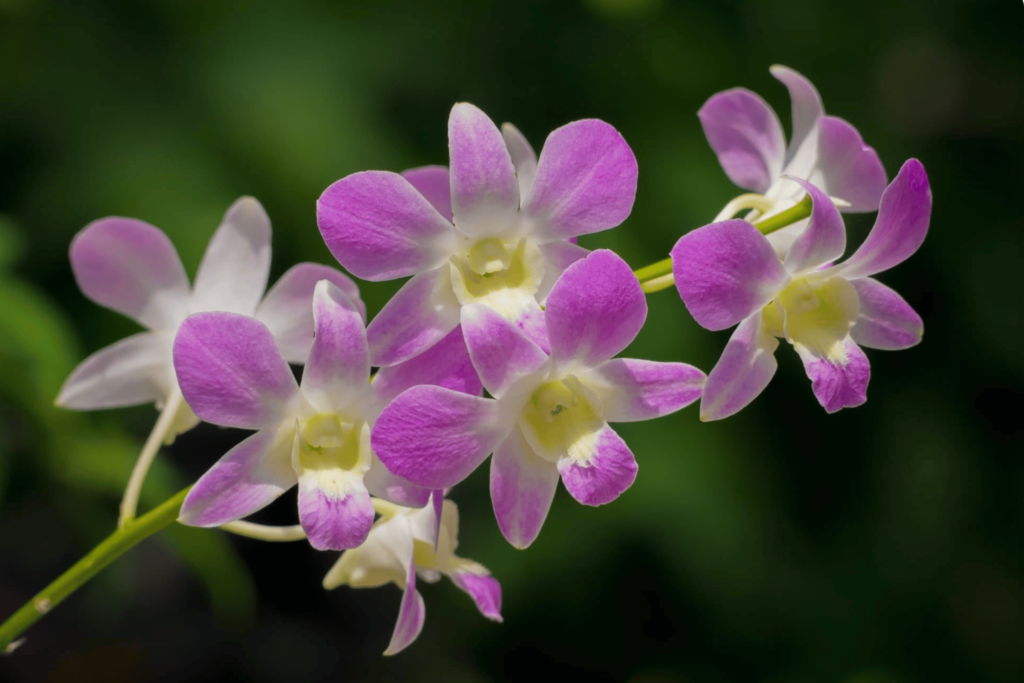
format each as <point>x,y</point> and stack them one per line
<point>816,314</point>
<point>562,417</point>
<point>502,276</point>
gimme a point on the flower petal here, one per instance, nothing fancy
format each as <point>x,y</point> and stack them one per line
<point>432,182</point>
<point>338,367</point>
<point>383,558</point>
<point>838,385</point>
<point>392,488</point>
<point>557,257</point>
<point>847,168</point>
<point>410,615</point>
<point>132,371</point>
<point>131,267</point>
<point>436,437</point>
<point>585,183</point>
<point>522,488</point>
<point>594,310</point>
<point>741,374</point>
<point>746,135</point>
<point>485,193</point>
<point>233,273</point>
<point>608,471</point>
<point>483,588</point>
<point>248,478</point>
<point>421,314</point>
<point>287,309</point>
<point>334,520</point>
<point>501,353</point>
<point>824,238</point>
<point>807,110</point>
<point>886,321</point>
<point>725,272</point>
<point>901,225</point>
<point>380,227</point>
<point>524,159</point>
<point>632,390</point>
<point>231,372</point>
<point>445,364</point>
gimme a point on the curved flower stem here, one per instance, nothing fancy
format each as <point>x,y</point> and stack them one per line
<point>265,533</point>
<point>782,219</point>
<point>745,201</point>
<point>130,503</point>
<point>89,566</point>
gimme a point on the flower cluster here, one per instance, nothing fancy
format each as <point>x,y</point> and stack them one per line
<point>500,298</point>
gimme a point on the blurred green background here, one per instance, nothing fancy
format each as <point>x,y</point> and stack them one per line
<point>884,544</point>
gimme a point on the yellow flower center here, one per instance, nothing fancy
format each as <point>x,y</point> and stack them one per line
<point>561,418</point>
<point>816,314</point>
<point>491,274</point>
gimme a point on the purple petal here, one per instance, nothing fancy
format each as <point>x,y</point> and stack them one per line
<point>747,137</point>
<point>594,310</point>
<point>522,488</point>
<point>602,477</point>
<point>485,194</point>
<point>432,182</point>
<point>231,372</point>
<point>586,181</point>
<point>632,390</point>
<point>338,367</point>
<point>524,159</point>
<point>410,615</point>
<point>132,371</point>
<point>287,309</point>
<point>725,272</point>
<point>248,478</point>
<point>741,374</point>
<point>557,257</point>
<point>436,437</point>
<point>382,484</point>
<point>380,227</point>
<point>233,273</point>
<point>132,268</point>
<point>422,313</point>
<point>807,110</point>
<point>824,239</point>
<point>886,321</point>
<point>334,520</point>
<point>838,385</point>
<point>501,353</point>
<point>901,225</point>
<point>849,169</point>
<point>483,588</point>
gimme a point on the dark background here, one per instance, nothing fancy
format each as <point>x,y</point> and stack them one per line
<point>879,545</point>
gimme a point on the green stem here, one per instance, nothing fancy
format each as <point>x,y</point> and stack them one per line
<point>89,566</point>
<point>655,270</point>
<point>785,218</point>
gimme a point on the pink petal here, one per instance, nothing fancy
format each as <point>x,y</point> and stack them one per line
<point>410,615</point>
<point>485,194</point>
<point>338,367</point>
<point>835,385</point>
<point>334,521</point>
<point>632,390</point>
<point>586,181</point>
<point>725,272</point>
<point>824,238</point>
<point>557,257</point>
<point>594,310</point>
<point>132,371</point>
<point>522,488</point>
<point>382,484</point>
<point>609,471</point>
<point>231,372</point>
<point>432,182</point>
<point>501,353</point>
<point>900,228</point>
<point>524,159</point>
<point>847,168</point>
<point>741,374</point>
<point>233,273</point>
<point>747,137</point>
<point>886,321</point>
<point>380,227</point>
<point>132,268</point>
<point>287,309</point>
<point>248,478</point>
<point>484,589</point>
<point>436,437</point>
<point>422,313</point>
<point>807,109</point>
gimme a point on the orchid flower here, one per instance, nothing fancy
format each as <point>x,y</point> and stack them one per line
<point>316,434</point>
<point>132,267</point>
<point>747,136</point>
<point>728,273</point>
<point>405,543</point>
<point>495,230</point>
<point>550,412</point>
